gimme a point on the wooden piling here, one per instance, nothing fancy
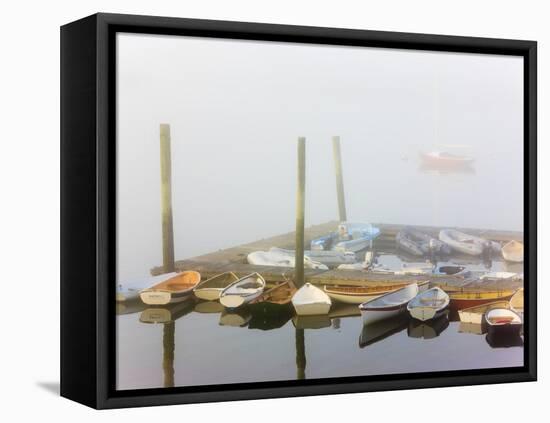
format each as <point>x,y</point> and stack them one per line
<point>300,219</point>
<point>339,178</point>
<point>166,199</point>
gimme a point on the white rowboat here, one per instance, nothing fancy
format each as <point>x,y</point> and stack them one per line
<point>429,304</point>
<point>211,289</point>
<point>388,305</point>
<point>310,301</point>
<point>243,291</point>
<point>467,244</point>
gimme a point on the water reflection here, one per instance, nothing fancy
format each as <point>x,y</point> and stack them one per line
<point>166,314</point>
<point>382,329</point>
<point>466,169</point>
<point>429,329</point>
<point>268,316</point>
<point>473,328</point>
<point>504,341</point>
<point>129,307</point>
<point>208,307</point>
<point>311,322</point>
<point>235,318</point>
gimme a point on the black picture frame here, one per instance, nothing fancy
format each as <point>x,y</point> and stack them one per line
<point>88,208</point>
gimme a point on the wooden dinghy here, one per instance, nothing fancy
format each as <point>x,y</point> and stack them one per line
<point>128,291</point>
<point>466,298</point>
<point>310,301</point>
<point>467,244</point>
<point>172,290</point>
<point>388,305</point>
<point>243,291</point>
<point>280,294</point>
<point>358,294</point>
<point>210,289</point>
<point>419,244</point>
<point>513,251</point>
<point>429,304</point>
<point>474,315</point>
<point>503,321</point>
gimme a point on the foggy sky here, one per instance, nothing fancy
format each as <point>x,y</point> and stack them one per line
<point>236,109</point>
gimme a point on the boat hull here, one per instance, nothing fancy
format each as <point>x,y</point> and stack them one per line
<point>351,299</point>
<point>460,304</point>
<point>425,313</point>
<point>236,301</point>
<point>370,316</point>
<point>153,297</point>
<point>208,294</point>
<point>312,309</point>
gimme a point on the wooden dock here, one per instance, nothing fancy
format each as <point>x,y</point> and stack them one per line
<point>234,259</point>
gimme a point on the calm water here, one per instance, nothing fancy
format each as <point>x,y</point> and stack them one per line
<point>200,343</point>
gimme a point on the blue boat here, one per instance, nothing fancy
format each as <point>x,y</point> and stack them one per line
<point>348,237</point>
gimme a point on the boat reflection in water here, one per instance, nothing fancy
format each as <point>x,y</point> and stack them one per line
<point>268,316</point>
<point>208,307</point>
<point>166,313</point>
<point>235,318</point>
<point>429,329</point>
<point>473,328</point>
<point>312,322</point>
<point>129,307</point>
<point>504,340</point>
<point>382,329</point>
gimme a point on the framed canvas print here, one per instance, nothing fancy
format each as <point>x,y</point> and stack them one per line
<point>256,210</point>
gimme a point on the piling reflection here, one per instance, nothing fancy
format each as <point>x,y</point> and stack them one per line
<point>382,329</point>
<point>300,354</point>
<point>167,316</point>
<point>429,329</point>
